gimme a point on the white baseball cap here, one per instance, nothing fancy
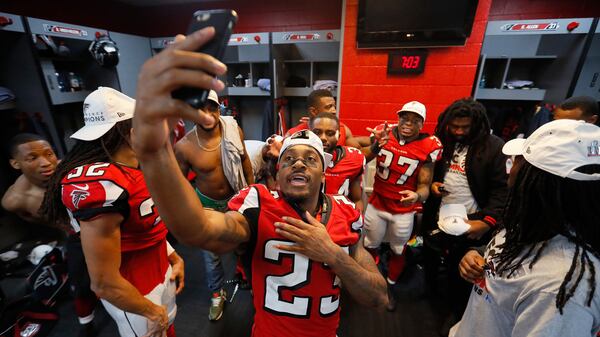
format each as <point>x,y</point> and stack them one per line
<point>416,107</point>
<point>212,96</point>
<point>306,137</point>
<point>452,219</point>
<point>37,254</point>
<point>102,109</point>
<point>560,147</point>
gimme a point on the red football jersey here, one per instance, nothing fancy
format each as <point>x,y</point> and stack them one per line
<point>94,189</point>
<point>293,295</point>
<point>347,164</point>
<point>304,126</point>
<point>398,168</point>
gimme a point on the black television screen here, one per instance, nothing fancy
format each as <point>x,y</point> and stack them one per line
<point>414,23</point>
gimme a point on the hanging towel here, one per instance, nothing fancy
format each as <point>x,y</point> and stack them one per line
<point>232,150</point>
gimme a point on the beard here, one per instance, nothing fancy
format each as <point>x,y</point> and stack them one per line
<point>330,149</point>
<point>208,129</point>
<point>460,139</point>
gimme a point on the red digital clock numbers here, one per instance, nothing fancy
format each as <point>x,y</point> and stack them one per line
<point>410,61</point>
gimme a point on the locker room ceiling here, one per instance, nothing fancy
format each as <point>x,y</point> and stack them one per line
<point>148,3</point>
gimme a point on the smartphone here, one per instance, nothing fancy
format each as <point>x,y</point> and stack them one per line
<point>223,20</point>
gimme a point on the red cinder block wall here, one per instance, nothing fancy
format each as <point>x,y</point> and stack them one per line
<point>369,96</point>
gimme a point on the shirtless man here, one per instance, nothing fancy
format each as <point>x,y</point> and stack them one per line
<point>34,157</point>
<point>216,153</point>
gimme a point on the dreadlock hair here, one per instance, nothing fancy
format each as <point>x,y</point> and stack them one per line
<point>465,107</point>
<point>541,205</point>
<point>84,152</point>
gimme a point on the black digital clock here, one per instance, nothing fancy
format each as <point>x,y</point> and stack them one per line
<point>406,61</point>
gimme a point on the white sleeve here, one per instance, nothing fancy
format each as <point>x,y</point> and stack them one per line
<point>538,316</point>
<point>170,249</point>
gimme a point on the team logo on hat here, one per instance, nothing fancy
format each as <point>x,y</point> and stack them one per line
<point>303,134</point>
<point>594,149</point>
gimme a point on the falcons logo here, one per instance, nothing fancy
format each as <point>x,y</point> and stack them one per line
<point>78,195</point>
<point>46,278</point>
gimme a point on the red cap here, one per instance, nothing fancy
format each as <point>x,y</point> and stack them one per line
<point>257,38</point>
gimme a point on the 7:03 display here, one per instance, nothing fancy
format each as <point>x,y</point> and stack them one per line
<point>407,61</point>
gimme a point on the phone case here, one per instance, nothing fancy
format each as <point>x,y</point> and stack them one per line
<point>223,20</point>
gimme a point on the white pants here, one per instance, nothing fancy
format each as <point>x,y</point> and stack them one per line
<point>381,226</point>
<point>132,325</point>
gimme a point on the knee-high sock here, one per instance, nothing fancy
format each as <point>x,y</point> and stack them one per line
<point>84,307</point>
<point>374,253</point>
<point>395,266</point>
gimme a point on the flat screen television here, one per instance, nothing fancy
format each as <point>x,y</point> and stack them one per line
<point>414,23</point>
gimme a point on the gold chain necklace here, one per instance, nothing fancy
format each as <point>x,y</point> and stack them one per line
<point>201,146</point>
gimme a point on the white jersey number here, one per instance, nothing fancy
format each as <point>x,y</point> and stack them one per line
<point>345,188</point>
<point>297,278</point>
<point>92,171</point>
<point>383,167</point>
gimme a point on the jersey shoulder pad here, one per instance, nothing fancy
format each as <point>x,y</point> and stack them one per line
<point>98,171</point>
<point>435,148</point>
<point>347,209</point>
<point>248,197</point>
<point>88,199</point>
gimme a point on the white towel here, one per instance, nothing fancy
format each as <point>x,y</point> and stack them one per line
<point>232,150</point>
<point>325,84</point>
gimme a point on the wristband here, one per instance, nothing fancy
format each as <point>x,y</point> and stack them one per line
<point>489,221</point>
<point>375,148</point>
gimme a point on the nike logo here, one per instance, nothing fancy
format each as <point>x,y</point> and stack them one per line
<point>84,187</point>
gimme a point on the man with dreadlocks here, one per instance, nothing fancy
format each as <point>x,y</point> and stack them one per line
<point>131,266</point>
<point>540,270</point>
<point>472,172</point>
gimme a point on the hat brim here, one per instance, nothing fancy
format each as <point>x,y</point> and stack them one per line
<point>213,97</point>
<point>514,147</point>
<point>92,132</point>
<point>413,111</point>
<point>327,157</point>
<point>453,225</point>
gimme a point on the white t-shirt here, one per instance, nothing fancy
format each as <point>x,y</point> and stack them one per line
<point>524,304</point>
<point>456,182</point>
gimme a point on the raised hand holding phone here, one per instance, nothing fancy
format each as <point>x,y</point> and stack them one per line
<point>179,65</point>
<point>223,21</point>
